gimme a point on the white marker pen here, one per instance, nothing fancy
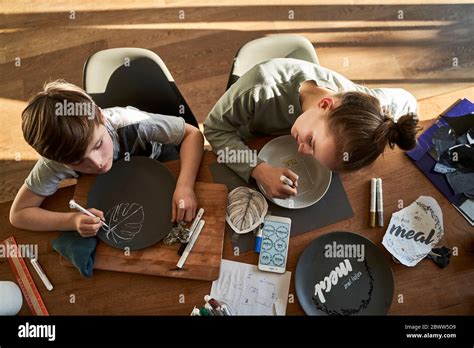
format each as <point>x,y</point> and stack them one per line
<point>198,217</point>
<point>190,245</point>
<point>74,205</point>
<point>41,274</point>
<point>287,181</point>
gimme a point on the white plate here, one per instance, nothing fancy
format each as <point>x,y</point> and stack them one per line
<point>314,178</point>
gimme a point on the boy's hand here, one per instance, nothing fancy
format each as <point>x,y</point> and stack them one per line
<point>185,204</point>
<point>269,177</point>
<point>88,226</point>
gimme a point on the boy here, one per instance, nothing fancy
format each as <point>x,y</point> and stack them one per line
<point>73,136</point>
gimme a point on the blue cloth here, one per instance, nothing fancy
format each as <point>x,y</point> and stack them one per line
<point>78,250</point>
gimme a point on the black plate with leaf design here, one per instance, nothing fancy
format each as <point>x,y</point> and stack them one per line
<point>135,197</point>
<point>343,273</point>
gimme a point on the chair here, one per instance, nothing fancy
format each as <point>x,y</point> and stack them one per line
<point>139,78</point>
<point>135,77</point>
<point>277,46</point>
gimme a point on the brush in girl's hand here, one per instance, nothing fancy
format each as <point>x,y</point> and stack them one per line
<point>74,205</point>
<point>287,181</point>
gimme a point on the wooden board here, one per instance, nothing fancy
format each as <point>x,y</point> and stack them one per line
<point>203,262</point>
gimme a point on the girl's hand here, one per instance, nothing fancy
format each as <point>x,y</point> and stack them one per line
<point>269,177</point>
<point>185,204</point>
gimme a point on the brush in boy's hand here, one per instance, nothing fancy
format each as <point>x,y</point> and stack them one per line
<point>74,205</point>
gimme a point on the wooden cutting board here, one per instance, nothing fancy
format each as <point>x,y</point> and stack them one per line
<point>203,262</point>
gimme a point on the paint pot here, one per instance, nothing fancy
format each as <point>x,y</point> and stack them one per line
<point>11,298</point>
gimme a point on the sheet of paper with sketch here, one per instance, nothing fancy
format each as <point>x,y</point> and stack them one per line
<point>249,291</point>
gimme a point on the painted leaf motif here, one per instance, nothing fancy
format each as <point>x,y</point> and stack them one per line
<point>125,221</point>
<point>246,209</point>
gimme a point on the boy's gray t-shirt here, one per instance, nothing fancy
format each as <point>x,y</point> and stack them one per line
<point>265,100</point>
<point>133,131</point>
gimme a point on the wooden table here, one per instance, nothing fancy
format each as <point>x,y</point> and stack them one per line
<point>424,289</point>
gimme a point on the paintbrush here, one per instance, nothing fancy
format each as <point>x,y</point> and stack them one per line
<point>74,205</point>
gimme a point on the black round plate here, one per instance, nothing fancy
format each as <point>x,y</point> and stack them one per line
<point>136,197</point>
<point>357,285</point>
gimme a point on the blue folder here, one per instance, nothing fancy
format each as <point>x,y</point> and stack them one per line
<point>458,117</point>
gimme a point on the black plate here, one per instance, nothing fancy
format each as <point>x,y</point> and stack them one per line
<point>135,197</point>
<point>365,290</point>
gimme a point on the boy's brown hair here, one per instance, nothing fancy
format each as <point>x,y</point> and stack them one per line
<point>59,122</point>
<point>363,130</point>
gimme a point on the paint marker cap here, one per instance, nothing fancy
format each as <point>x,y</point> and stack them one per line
<point>258,244</point>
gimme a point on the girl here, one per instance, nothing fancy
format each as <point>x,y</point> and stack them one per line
<point>343,125</point>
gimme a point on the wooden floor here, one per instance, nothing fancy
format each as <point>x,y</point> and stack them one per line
<point>425,47</point>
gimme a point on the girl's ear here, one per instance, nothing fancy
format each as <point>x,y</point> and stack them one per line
<point>327,103</point>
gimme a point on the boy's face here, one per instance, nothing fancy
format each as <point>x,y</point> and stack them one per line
<point>99,155</point>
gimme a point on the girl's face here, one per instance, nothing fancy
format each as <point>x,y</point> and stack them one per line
<point>311,132</point>
<point>99,155</point>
